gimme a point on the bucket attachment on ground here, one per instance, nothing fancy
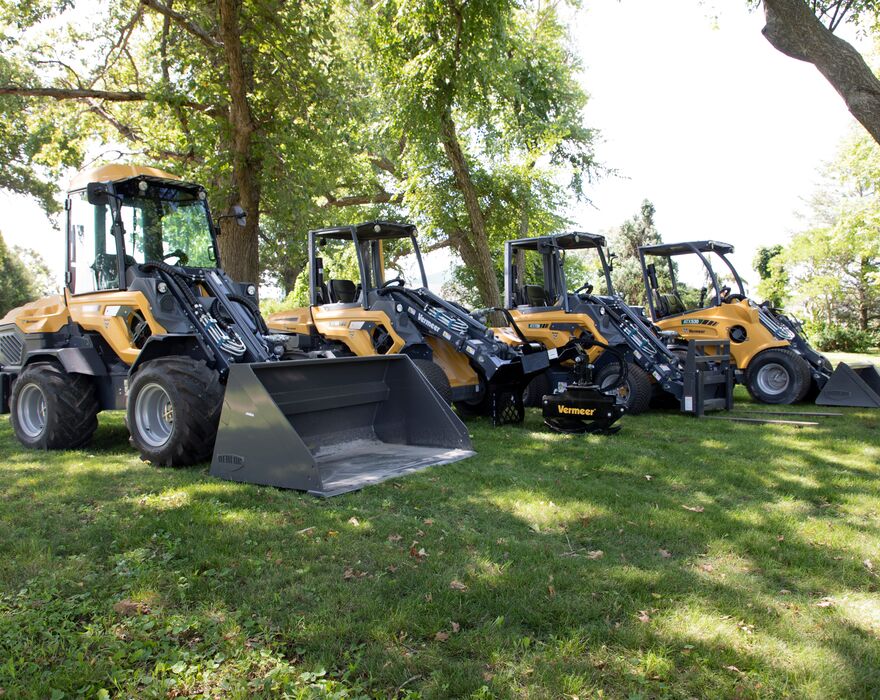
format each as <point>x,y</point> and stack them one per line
<point>852,385</point>
<point>329,426</point>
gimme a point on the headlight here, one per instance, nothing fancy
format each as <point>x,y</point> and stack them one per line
<point>251,290</point>
<point>161,287</point>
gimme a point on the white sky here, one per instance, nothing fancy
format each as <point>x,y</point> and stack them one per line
<point>723,133</point>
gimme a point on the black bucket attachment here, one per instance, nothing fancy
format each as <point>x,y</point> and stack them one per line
<point>328,426</point>
<point>852,385</point>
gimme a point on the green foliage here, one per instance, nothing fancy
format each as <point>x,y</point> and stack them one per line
<point>829,338</point>
<point>17,283</point>
<point>769,263</point>
<point>625,241</point>
<point>835,265</point>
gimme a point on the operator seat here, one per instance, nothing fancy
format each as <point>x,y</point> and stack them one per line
<point>342,291</point>
<point>535,295</point>
<point>106,272</point>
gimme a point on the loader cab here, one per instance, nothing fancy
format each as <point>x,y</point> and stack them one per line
<point>680,278</point>
<point>558,271</point>
<point>348,264</point>
<point>120,217</point>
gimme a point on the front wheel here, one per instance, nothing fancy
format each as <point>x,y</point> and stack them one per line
<point>436,378</point>
<point>636,389</point>
<point>51,409</point>
<point>173,411</point>
<point>777,376</point>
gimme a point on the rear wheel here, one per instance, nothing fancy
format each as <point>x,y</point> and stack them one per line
<point>173,411</point>
<point>777,376</point>
<point>536,390</point>
<point>436,378</point>
<point>636,390</point>
<point>53,410</point>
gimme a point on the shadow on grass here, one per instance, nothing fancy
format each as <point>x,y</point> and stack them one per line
<point>581,573</point>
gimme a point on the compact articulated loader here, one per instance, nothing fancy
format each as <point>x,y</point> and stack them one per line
<point>772,356</point>
<point>149,322</point>
<point>543,309</point>
<point>380,315</point>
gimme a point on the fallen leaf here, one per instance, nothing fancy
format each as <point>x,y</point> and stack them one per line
<point>780,538</point>
<point>455,627</point>
<point>595,554</point>
<point>585,520</point>
<point>354,521</point>
<point>732,668</point>
<point>825,603</point>
<point>348,574</point>
<point>395,538</point>
<point>332,533</point>
<point>707,567</point>
<point>868,564</point>
<point>417,554</point>
<point>648,477</point>
<point>307,531</point>
<point>391,568</point>
<point>428,521</point>
<point>131,607</point>
<point>665,553</point>
<point>441,636</point>
<point>428,597</point>
<point>784,591</point>
<point>694,509</point>
<point>551,591</point>
<point>457,586</point>
<point>643,616</point>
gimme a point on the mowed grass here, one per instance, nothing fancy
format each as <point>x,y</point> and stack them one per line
<point>680,558</point>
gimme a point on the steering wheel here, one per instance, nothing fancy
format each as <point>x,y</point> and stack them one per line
<point>587,288</point>
<point>396,282</point>
<point>182,258</point>
<point>730,298</point>
<point>723,292</point>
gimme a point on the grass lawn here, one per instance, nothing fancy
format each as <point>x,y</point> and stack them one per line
<point>680,558</point>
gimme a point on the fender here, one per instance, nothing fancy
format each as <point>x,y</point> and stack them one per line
<point>171,345</point>
<point>74,360</point>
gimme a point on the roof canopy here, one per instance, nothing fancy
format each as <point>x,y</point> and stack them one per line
<point>114,172</point>
<point>368,231</point>
<point>567,241</point>
<point>687,247</point>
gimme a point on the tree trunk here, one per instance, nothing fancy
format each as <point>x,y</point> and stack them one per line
<point>475,250</point>
<point>794,29</point>
<point>239,244</point>
<point>288,275</point>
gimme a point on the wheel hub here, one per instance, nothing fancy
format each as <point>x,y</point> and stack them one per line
<point>31,410</point>
<point>154,415</point>
<point>773,378</point>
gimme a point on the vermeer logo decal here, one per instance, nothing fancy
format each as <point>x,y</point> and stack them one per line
<point>572,411</point>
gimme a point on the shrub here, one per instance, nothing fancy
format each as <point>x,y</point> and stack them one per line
<point>843,339</point>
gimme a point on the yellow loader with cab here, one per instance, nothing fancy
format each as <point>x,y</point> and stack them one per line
<point>461,357</point>
<point>572,319</point>
<point>150,323</point>
<point>773,358</point>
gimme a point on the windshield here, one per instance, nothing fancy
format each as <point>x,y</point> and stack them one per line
<point>167,223</point>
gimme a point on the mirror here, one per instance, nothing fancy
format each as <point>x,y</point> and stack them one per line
<point>611,257</point>
<point>98,193</point>
<point>239,214</point>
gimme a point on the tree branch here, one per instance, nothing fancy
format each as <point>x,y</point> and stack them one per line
<point>356,200</point>
<point>88,93</point>
<point>188,25</point>
<point>793,28</point>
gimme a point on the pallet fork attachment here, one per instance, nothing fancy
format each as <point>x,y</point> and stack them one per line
<point>329,426</point>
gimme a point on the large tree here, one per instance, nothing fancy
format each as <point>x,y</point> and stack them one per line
<point>805,30</point>
<point>483,119</point>
<point>16,285</point>
<point>625,241</point>
<point>236,94</point>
